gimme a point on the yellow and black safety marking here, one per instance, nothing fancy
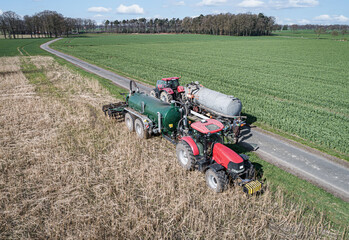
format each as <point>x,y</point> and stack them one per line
<point>252,187</point>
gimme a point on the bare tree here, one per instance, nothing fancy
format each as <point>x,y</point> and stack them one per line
<point>11,22</point>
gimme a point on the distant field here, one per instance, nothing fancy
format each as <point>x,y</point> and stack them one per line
<point>299,86</point>
<point>312,34</point>
<point>26,47</point>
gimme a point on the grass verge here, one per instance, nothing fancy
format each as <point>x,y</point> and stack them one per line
<point>313,199</point>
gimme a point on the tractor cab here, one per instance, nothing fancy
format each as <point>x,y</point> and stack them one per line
<point>208,126</point>
<point>205,134</point>
<point>168,89</point>
<point>172,83</point>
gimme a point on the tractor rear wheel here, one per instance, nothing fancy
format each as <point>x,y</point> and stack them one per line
<point>129,121</point>
<point>165,97</point>
<point>217,181</point>
<point>185,156</point>
<point>140,130</point>
<point>152,93</point>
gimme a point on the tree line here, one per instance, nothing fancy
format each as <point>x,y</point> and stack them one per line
<point>52,24</point>
<point>246,24</point>
<point>43,24</point>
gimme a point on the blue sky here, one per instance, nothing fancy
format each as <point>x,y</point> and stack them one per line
<point>285,11</point>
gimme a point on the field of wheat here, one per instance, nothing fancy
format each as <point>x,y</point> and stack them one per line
<point>69,172</point>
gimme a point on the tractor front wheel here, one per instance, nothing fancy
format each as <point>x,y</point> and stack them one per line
<point>185,156</point>
<point>217,181</point>
<point>140,130</point>
<point>165,97</point>
<point>129,121</point>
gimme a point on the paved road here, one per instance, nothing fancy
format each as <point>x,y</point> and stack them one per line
<point>309,164</point>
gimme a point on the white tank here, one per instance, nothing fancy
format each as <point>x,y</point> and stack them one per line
<point>216,102</point>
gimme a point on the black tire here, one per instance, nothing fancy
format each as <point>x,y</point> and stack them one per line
<point>250,170</point>
<point>185,156</point>
<point>140,130</point>
<point>217,181</point>
<point>152,93</point>
<point>165,97</point>
<point>129,121</point>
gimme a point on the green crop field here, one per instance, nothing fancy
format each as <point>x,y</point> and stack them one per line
<point>298,86</point>
<point>312,34</point>
<point>25,46</point>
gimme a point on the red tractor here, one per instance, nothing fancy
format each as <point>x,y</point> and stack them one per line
<point>168,89</point>
<point>202,148</point>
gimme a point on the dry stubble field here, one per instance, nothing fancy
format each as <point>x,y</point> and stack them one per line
<point>69,172</point>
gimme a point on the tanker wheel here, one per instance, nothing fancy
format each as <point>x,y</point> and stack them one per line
<point>152,93</point>
<point>140,130</point>
<point>129,121</point>
<point>185,156</point>
<point>217,181</point>
<point>165,97</point>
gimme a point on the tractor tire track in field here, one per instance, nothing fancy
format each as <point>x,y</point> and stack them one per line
<point>323,170</point>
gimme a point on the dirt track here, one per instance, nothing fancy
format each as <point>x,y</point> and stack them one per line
<point>309,164</point>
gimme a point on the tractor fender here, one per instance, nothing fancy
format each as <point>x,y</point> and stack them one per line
<point>216,167</point>
<point>192,145</point>
<point>180,89</point>
<point>168,90</point>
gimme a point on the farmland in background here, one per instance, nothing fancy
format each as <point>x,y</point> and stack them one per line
<point>22,47</point>
<point>312,34</point>
<point>298,86</point>
<point>67,171</point>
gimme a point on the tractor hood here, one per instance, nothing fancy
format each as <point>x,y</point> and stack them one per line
<point>228,158</point>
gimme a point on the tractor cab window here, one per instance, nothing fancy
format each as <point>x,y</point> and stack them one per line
<point>162,83</point>
<point>174,84</point>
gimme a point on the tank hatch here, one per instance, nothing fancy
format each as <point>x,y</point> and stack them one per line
<point>208,126</point>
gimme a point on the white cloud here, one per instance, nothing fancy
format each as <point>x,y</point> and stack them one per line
<point>303,3</point>
<point>219,11</point>
<point>99,9</point>
<point>132,9</point>
<point>211,2</point>
<point>324,17</point>
<point>341,18</point>
<point>180,3</point>
<point>278,4</point>
<point>98,16</point>
<point>304,21</point>
<point>1,12</point>
<point>251,3</point>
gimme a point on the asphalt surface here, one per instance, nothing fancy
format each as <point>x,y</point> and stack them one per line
<point>322,170</point>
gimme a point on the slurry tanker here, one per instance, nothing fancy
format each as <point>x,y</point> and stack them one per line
<point>206,102</point>
<point>199,145</point>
